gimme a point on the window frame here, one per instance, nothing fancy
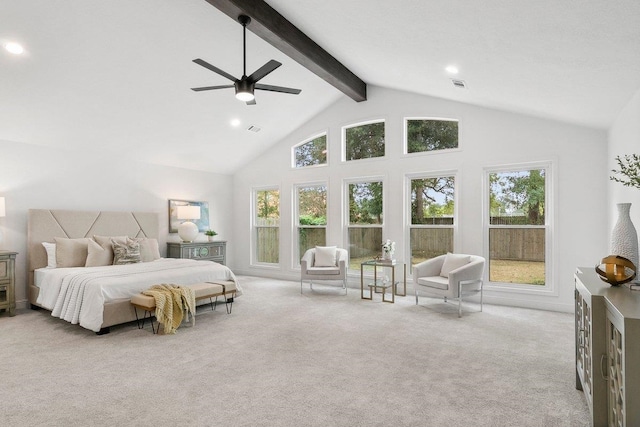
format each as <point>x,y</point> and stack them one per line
<point>346,213</point>
<point>407,207</point>
<point>405,137</point>
<point>343,133</point>
<point>550,287</point>
<point>307,141</point>
<point>254,244</point>
<point>296,219</point>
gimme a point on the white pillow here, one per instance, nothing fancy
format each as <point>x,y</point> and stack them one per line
<point>51,254</point>
<point>325,256</point>
<point>149,249</point>
<point>452,262</point>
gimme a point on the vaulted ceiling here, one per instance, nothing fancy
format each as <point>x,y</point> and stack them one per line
<point>114,76</point>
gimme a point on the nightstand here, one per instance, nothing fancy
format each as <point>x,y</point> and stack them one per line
<point>8,281</point>
<point>209,251</point>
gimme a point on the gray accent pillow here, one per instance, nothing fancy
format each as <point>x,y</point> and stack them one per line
<point>126,253</point>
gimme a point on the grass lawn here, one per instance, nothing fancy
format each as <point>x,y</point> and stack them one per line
<point>517,272</point>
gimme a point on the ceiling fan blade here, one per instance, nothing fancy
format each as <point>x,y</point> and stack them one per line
<point>198,89</point>
<point>264,70</point>
<point>252,102</point>
<point>278,89</point>
<point>217,70</point>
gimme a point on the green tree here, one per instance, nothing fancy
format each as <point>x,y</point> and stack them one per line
<point>425,193</point>
<point>364,141</point>
<point>311,153</point>
<point>365,203</point>
<point>429,135</point>
<point>312,205</point>
<point>522,191</point>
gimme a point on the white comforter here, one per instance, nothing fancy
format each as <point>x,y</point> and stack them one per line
<point>78,294</point>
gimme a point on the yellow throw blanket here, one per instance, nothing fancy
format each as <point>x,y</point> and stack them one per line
<point>171,303</point>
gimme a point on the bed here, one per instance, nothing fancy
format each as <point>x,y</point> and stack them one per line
<point>98,296</point>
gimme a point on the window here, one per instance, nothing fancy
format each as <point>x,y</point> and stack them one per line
<point>312,217</point>
<point>518,226</point>
<point>267,226</point>
<point>432,208</point>
<point>311,153</point>
<point>430,134</point>
<point>364,141</point>
<point>365,221</point>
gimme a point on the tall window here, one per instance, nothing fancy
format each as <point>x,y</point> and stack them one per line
<point>267,226</point>
<point>365,221</point>
<point>364,141</point>
<point>430,134</point>
<point>432,217</point>
<point>312,217</point>
<point>311,153</point>
<point>518,226</point>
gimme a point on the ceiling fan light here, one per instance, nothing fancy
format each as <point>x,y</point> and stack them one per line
<point>245,96</point>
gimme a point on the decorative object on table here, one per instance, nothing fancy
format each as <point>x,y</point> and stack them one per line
<point>210,234</point>
<point>629,166</point>
<point>174,222</point>
<point>624,238</point>
<point>616,270</point>
<point>388,249</point>
<point>188,231</point>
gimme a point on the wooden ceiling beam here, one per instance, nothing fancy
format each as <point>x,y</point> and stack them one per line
<point>274,28</point>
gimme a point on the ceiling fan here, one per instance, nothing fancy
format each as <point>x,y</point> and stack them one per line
<point>246,85</point>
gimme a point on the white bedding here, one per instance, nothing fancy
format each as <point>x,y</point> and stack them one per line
<point>78,294</point>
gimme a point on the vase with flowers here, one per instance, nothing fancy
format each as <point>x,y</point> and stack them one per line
<point>624,238</point>
<point>388,249</point>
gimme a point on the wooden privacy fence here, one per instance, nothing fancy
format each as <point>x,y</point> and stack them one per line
<point>521,244</point>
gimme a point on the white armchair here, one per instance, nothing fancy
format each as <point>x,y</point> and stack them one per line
<point>324,263</point>
<point>449,276</point>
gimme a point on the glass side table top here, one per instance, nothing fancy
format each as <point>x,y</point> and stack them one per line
<point>381,262</point>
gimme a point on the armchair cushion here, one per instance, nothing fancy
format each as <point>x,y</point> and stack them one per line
<point>325,256</point>
<point>323,271</point>
<point>437,282</point>
<point>453,262</point>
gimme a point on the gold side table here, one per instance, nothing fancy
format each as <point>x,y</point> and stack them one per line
<point>380,286</point>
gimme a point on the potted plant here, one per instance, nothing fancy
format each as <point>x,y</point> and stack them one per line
<point>210,234</point>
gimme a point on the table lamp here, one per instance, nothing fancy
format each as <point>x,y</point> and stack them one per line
<point>188,231</point>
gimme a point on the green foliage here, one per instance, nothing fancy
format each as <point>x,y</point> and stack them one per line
<point>268,205</point>
<point>629,170</point>
<point>519,192</point>
<point>365,141</point>
<point>365,203</point>
<point>432,198</point>
<point>313,220</point>
<point>312,153</point>
<point>429,135</point>
<point>210,233</point>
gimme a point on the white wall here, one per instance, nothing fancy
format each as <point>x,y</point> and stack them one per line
<point>624,138</point>
<point>45,178</point>
<point>488,138</point>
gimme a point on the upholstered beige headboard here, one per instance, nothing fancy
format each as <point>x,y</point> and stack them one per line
<point>44,225</point>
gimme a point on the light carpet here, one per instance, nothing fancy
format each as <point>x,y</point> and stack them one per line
<point>286,359</point>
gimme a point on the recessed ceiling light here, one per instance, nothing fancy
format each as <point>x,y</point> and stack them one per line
<point>452,69</point>
<point>235,122</point>
<point>14,48</point>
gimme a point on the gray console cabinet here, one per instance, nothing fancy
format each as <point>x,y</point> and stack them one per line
<point>607,327</point>
<point>209,251</point>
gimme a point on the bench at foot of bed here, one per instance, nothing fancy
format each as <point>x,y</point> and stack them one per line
<point>210,290</point>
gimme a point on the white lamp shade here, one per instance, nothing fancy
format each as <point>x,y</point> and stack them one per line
<point>188,231</point>
<point>2,211</point>
<point>188,212</point>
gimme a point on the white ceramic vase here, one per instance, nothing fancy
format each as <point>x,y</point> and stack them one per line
<point>624,238</point>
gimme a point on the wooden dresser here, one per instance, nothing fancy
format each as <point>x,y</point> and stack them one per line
<point>210,251</point>
<point>8,281</point>
<point>607,334</point>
